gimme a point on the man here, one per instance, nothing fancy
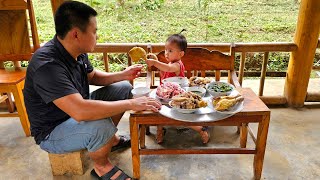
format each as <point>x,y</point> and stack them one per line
<point>64,117</point>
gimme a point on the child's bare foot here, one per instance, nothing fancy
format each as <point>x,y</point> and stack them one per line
<point>160,135</point>
<point>205,135</point>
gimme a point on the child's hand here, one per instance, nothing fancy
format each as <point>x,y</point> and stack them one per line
<point>152,56</point>
<point>150,62</point>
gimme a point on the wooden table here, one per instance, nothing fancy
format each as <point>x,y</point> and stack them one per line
<point>254,111</point>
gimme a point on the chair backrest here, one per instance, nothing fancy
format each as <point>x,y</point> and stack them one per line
<point>14,32</point>
<point>201,60</point>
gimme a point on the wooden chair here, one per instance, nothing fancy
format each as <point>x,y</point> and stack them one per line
<point>198,62</point>
<point>15,46</point>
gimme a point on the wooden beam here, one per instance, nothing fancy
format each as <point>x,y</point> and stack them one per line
<point>33,26</point>
<point>301,60</point>
<point>199,151</point>
<point>273,100</point>
<point>13,5</point>
<point>55,4</point>
<point>263,72</point>
<point>223,47</point>
<point>3,98</point>
<point>313,97</point>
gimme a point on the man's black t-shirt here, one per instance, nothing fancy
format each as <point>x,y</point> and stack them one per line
<point>53,73</point>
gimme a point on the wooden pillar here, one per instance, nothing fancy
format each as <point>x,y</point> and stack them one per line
<point>55,4</point>
<point>301,60</point>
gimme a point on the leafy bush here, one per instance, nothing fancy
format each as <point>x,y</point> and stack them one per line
<point>152,4</point>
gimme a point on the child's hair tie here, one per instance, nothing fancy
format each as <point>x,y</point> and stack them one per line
<point>182,31</point>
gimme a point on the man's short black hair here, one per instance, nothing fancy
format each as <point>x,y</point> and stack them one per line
<point>179,40</point>
<point>72,14</point>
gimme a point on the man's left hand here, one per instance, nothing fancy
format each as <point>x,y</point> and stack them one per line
<point>132,72</point>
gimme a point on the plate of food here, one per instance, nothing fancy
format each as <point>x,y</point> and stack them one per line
<point>228,104</point>
<point>187,102</point>
<point>167,90</point>
<point>218,88</point>
<point>182,81</point>
<point>199,81</point>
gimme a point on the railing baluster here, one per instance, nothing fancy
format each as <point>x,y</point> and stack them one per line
<point>263,72</point>
<point>189,74</point>
<point>242,48</point>
<point>106,61</point>
<point>195,73</point>
<point>17,63</point>
<point>203,73</point>
<point>217,75</point>
<point>241,67</point>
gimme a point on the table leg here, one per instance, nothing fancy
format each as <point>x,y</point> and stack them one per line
<point>148,130</point>
<point>134,133</point>
<point>142,136</point>
<point>243,135</point>
<point>261,146</point>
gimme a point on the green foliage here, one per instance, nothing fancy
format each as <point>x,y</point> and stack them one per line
<point>152,4</point>
<point>207,21</point>
<point>114,67</point>
<point>278,61</point>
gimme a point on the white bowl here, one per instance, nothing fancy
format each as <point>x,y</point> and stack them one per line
<point>182,81</point>
<point>184,111</point>
<point>217,88</point>
<point>197,90</point>
<point>140,91</point>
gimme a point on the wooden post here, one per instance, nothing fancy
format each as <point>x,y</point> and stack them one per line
<point>241,67</point>
<point>263,72</point>
<point>55,4</point>
<point>301,60</point>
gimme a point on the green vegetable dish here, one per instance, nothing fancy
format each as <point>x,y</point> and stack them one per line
<point>219,87</point>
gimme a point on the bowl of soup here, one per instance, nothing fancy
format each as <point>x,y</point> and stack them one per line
<point>197,90</point>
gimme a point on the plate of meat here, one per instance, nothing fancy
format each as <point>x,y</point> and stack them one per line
<point>187,102</point>
<point>167,90</point>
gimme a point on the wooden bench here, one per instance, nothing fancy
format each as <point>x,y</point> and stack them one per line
<point>74,163</point>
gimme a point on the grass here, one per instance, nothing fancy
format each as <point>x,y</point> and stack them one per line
<point>217,21</point>
<point>220,21</point>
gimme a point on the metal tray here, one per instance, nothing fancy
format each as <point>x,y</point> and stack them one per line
<point>207,114</point>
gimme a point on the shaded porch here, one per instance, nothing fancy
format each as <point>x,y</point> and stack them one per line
<point>292,147</point>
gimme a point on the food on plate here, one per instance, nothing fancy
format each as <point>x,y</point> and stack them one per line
<point>219,87</point>
<point>199,81</point>
<point>188,100</point>
<point>223,103</point>
<point>168,90</point>
<point>137,53</point>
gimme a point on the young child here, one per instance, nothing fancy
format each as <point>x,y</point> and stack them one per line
<point>175,49</point>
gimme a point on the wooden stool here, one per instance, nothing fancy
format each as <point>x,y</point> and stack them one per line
<point>73,163</point>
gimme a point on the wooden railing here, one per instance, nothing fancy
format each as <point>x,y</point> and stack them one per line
<point>241,48</point>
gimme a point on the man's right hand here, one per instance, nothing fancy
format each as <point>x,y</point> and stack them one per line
<point>145,103</point>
